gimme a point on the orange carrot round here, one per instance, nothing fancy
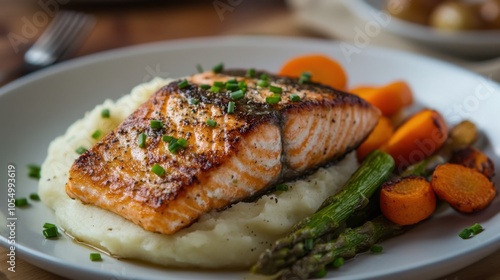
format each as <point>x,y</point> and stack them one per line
<point>475,159</point>
<point>466,190</point>
<point>378,137</point>
<point>323,70</point>
<point>417,138</point>
<point>407,200</point>
<point>390,98</point>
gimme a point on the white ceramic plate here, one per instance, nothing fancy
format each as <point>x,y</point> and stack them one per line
<point>477,44</point>
<point>39,107</point>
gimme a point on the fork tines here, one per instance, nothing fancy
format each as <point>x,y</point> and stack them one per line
<point>66,31</point>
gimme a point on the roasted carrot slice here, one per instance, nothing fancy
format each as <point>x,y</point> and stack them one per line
<point>466,190</point>
<point>475,159</point>
<point>378,137</point>
<point>417,138</point>
<point>323,70</point>
<point>407,200</point>
<point>390,98</point>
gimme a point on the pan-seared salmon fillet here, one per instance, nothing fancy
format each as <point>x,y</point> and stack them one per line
<point>198,144</point>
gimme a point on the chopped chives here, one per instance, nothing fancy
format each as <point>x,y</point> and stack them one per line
<point>167,138</point>
<point>105,113</point>
<point>34,171</point>
<point>251,73</point>
<point>275,89</point>
<point>219,84</point>
<point>49,225</point>
<point>264,76</point>
<point>158,170</point>
<point>173,146</point>
<point>96,134</point>
<point>156,124</point>
<point>205,86</point>
<point>215,89</point>
<point>242,85</point>
<point>211,123</point>
<point>294,98</point>
<point>193,101</point>
<point>182,142</point>
<point>218,68</point>
<point>476,228</point>
<point>466,233</point>
<point>232,87</point>
<point>81,150</point>
<point>375,248</point>
<point>273,99</point>
<point>95,257</point>
<point>34,196</point>
<point>141,140</point>
<point>232,81</point>
<point>282,187</point>
<point>469,232</point>
<point>237,94</point>
<point>262,83</point>
<point>183,84</point>
<point>21,202</point>
<point>338,262</point>
<point>305,78</point>
<point>199,68</point>
<point>230,107</point>
<point>50,232</point>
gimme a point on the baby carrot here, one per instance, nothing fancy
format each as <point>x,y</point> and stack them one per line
<point>322,69</point>
<point>390,99</point>
<point>378,137</point>
<point>417,138</point>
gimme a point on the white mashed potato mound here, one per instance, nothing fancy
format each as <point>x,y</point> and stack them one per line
<point>233,238</point>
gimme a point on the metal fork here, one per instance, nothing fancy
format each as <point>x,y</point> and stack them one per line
<point>66,31</point>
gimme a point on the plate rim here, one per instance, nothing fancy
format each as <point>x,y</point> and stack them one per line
<point>156,46</point>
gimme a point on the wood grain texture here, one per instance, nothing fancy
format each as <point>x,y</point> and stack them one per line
<point>24,270</point>
<point>486,269</point>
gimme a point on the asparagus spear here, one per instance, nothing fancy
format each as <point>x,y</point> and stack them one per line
<point>355,194</point>
<point>347,245</point>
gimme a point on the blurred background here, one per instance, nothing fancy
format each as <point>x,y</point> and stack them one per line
<point>121,23</point>
<point>461,32</point>
<point>407,24</point>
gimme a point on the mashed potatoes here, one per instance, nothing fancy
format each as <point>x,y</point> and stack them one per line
<point>244,230</point>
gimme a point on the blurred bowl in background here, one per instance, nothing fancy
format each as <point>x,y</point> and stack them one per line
<point>476,44</point>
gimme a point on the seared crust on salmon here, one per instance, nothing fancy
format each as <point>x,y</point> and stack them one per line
<point>247,151</point>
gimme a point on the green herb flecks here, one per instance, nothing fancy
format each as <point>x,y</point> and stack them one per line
<point>105,113</point>
<point>80,150</point>
<point>141,140</point>
<point>34,171</point>
<point>158,170</point>
<point>95,257</point>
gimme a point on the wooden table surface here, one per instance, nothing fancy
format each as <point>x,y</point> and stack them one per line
<point>119,25</point>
